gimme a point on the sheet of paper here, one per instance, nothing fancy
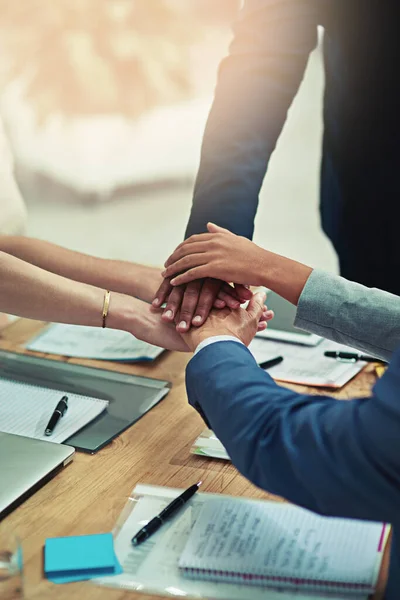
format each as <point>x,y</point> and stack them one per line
<point>306,365</point>
<point>153,566</point>
<point>81,557</point>
<point>92,342</point>
<point>207,444</point>
<point>26,409</point>
<point>263,539</point>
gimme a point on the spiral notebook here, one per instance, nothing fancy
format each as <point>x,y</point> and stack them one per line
<point>26,409</point>
<point>283,546</point>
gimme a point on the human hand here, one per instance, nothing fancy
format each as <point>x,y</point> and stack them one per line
<point>191,304</point>
<point>219,254</point>
<point>144,322</point>
<point>242,323</point>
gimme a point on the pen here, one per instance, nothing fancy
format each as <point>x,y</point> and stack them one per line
<point>155,524</point>
<point>354,356</point>
<point>271,362</point>
<point>59,412</point>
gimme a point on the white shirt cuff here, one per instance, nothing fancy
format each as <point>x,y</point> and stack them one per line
<point>216,338</point>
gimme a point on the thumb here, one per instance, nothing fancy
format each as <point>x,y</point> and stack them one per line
<point>213,228</point>
<point>256,305</point>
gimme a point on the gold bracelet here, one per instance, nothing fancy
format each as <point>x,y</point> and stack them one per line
<point>106,306</point>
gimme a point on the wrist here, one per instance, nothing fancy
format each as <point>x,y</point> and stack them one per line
<point>284,276</point>
<point>196,336</point>
<point>123,313</point>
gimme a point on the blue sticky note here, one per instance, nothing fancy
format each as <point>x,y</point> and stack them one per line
<point>77,558</point>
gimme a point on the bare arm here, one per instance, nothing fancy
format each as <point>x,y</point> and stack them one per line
<point>119,276</point>
<point>29,291</point>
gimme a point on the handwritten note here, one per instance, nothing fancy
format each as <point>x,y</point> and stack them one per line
<point>255,542</point>
<point>306,365</point>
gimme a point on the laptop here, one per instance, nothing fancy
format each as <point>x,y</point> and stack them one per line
<point>25,465</point>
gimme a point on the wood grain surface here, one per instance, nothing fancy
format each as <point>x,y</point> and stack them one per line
<point>88,495</point>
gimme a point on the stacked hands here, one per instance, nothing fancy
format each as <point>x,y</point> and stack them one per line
<point>200,300</point>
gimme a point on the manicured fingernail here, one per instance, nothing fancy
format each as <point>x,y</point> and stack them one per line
<point>182,325</point>
<point>169,314</point>
<point>156,302</point>
<point>197,319</point>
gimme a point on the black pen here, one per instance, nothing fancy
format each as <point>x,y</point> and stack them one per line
<point>271,362</point>
<point>353,356</point>
<point>59,412</point>
<point>155,524</point>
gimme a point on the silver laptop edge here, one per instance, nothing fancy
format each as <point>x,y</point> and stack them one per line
<point>25,465</point>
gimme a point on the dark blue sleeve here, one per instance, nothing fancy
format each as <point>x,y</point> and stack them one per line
<point>338,458</point>
<point>256,85</point>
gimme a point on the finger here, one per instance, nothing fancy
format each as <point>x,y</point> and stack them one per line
<point>262,326</point>
<point>213,228</point>
<point>209,293</point>
<point>188,306</point>
<point>173,304</point>
<point>185,263</point>
<point>229,300</point>
<point>219,303</point>
<point>191,275</point>
<point>194,244</point>
<point>162,293</point>
<point>229,289</point>
<point>256,305</point>
<point>243,292</point>
<point>267,315</point>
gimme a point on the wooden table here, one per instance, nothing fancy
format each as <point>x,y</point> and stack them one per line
<point>88,495</point>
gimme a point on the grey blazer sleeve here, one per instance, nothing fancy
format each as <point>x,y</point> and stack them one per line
<point>350,313</point>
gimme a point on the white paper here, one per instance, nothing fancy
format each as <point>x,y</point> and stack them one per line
<point>79,341</point>
<point>281,540</point>
<point>26,410</point>
<point>209,445</point>
<point>306,365</point>
<point>153,566</point>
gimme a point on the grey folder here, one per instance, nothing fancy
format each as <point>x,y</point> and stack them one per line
<point>130,397</point>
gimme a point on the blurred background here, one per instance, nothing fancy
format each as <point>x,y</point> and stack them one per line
<point>102,109</point>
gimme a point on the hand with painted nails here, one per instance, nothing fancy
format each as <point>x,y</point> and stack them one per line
<point>190,304</point>
<point>218,254</point>
<point>242,323</point>
<point>224,255</point>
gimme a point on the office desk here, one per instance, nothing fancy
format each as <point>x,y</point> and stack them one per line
<point>88,495</point>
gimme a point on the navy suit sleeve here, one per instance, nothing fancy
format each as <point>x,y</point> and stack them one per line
<point>256,85</point>
<point>337,458</point>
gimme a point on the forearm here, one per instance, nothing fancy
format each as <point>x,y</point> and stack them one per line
<point>118,276</point>
<point>350,313</point>
<point>324,454</point>
<point>28,291</point>
<point>284,276</point>
<point>256,85</point>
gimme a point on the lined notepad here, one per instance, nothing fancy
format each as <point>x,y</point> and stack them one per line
<point>285,546</point>
<point>79,341</point>
<point>26,410</point>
